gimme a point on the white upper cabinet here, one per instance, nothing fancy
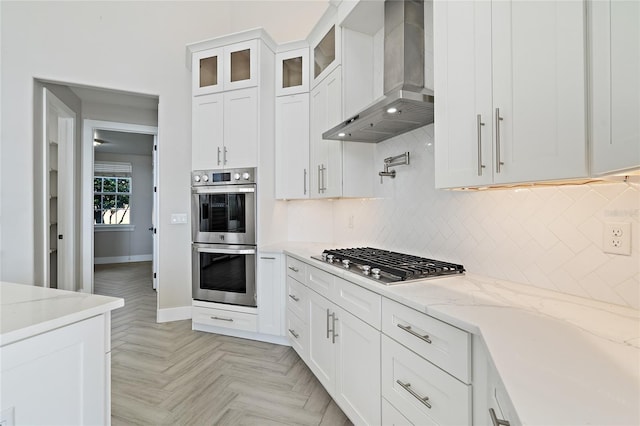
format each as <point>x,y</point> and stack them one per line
<point>292,72</point>
<point>241,128</point>
<point>225,68</point>
<point>510,82</point>
<point>325,46</point>
<point>292,146</point>
<point>615,86</point>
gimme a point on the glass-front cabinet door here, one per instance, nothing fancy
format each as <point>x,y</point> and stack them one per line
<point>207,69</point>
<point>292,72</point>
<point>325,51</point>
<point>241,65</point>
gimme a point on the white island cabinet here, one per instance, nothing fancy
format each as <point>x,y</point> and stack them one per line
<point>55,348</point>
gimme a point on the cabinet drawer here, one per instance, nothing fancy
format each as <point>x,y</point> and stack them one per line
<point>298,333</point>
<point>297,299</point>
<point>226,319</point>
<point>407,380</point>
<point>322,282</point>
<point>444,345</point>
<point>360,302</point>
<point>296,269</point>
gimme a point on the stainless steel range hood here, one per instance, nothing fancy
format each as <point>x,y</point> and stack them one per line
<point>406,104</point>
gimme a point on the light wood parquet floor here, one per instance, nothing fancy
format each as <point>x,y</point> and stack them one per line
<point>168,374</point>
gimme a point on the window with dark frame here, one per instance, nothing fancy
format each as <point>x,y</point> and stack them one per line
<point>111,200</point>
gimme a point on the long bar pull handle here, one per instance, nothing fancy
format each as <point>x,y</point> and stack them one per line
<point>407,387</point>
<point>224,155</point>
<point>333,328</point>
<point>267,258</point>
<point>479,126</point>
<point>409,330</point>
<point>294,297</point>
<point>319,179</point>
<point>304,182</point>
<point>294,334</point>
<point>327,323</point>
<point>496,421</point>
<point>294,269</point>
<point>324,178</point>
<point>222,319</point>
<point>498,160</point>
<point>218,156</point>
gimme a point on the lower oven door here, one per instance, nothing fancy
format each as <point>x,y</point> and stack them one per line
<point>224,273</point>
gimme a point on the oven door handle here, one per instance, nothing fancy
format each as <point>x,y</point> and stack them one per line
<point>225,251</point>
<point>223,189</point>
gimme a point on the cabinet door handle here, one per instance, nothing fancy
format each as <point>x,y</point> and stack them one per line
<point>333,328</point>
<point>224,155</point>
<point>218,156</point>
<point>294,269</point>
<point>327,323</point>
<point>304,181</point>
<point>294,297</point>
<point>294,334</point>
<point>409,330</point>
<point>324,178</point>
<point>498,159</point>
<point>416,395</point>
<point>479,125</point>
<point>222,319</point>
<point>496,421</point>
<point>319,180</point>
<point>267,258</point>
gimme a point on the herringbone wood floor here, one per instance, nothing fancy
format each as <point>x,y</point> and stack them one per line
<point>169,374</point>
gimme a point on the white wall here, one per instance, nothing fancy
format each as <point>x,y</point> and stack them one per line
<point>548,237</point>
<point>139,242</point>
<point>128,46</point>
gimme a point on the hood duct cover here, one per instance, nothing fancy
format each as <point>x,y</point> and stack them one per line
<point>404,90</point>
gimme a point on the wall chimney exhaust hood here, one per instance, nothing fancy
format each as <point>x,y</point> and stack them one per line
<point>406,104</point>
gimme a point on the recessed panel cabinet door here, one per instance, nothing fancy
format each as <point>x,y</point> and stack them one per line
<point>241,128</point>
<point>207,138</point>
<point>322,358</point>
<point>292,146</point>
<point>539,107</point>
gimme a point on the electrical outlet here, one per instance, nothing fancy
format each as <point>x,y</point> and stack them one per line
<point>617,238</point>
<point>351,220</point>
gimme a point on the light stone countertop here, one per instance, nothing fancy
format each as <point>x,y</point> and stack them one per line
<point>27,310</point>
<point>564,360</point>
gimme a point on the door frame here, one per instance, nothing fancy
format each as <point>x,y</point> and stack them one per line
<point>86,198</point>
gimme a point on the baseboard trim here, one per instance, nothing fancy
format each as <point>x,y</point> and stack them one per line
<point>174,314</point>
<point>123,259</point>
<point>278,340</point>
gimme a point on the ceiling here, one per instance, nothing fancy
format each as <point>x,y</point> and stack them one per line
<point>123,143</point>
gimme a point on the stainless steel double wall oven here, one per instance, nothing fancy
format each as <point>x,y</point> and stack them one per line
<point>223,225</point>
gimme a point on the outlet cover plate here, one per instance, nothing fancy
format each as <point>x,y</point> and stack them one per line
<point>616,238</point>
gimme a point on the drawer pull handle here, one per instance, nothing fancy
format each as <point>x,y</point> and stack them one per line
<point>294,269</point>
<point>408,329</point>
<point>294,297</point>
<point>293,333</point>
<point>222,319</point>
<point>407,387</point>
<point>496,421</point>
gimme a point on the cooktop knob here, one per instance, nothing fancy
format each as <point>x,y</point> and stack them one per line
<point>375,272</point>
<point>345,262</point>
<point>366,269</point>
<point>205,178</point>
<point>245,176</point>
<point>236,176</point>
<point>196,178</point>
<point>330,258</point>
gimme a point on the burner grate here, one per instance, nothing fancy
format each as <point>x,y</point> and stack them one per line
<point>403,266</point>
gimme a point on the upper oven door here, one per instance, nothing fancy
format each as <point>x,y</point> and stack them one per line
<point>224,214</point>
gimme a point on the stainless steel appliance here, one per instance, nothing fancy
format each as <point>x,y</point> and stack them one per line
<point>387,267</point>
<point>224,273</point>
<point>223,206</point>
<point>223,211</point>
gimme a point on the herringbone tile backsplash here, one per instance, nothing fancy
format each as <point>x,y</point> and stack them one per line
<point>549,237</point>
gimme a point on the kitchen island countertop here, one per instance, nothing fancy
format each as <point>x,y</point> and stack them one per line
<point>564,360</point>
<point>27,310</point>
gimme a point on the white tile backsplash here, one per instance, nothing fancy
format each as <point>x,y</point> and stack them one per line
<point>549,237</point>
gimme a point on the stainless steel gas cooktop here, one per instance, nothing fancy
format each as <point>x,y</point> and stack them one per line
<point>387,267</point>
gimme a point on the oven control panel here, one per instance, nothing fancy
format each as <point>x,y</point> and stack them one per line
<point>223,177</point>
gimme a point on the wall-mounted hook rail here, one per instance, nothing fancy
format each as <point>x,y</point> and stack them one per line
<point>398,160</point>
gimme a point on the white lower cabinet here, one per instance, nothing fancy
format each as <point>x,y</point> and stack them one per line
<point>229,317</point>
<point>392,417</point>
<point>58,377</point>
<point>270,288</point>
<point>423,393</point>
<point>344,354</point>
<point>298,332</point>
